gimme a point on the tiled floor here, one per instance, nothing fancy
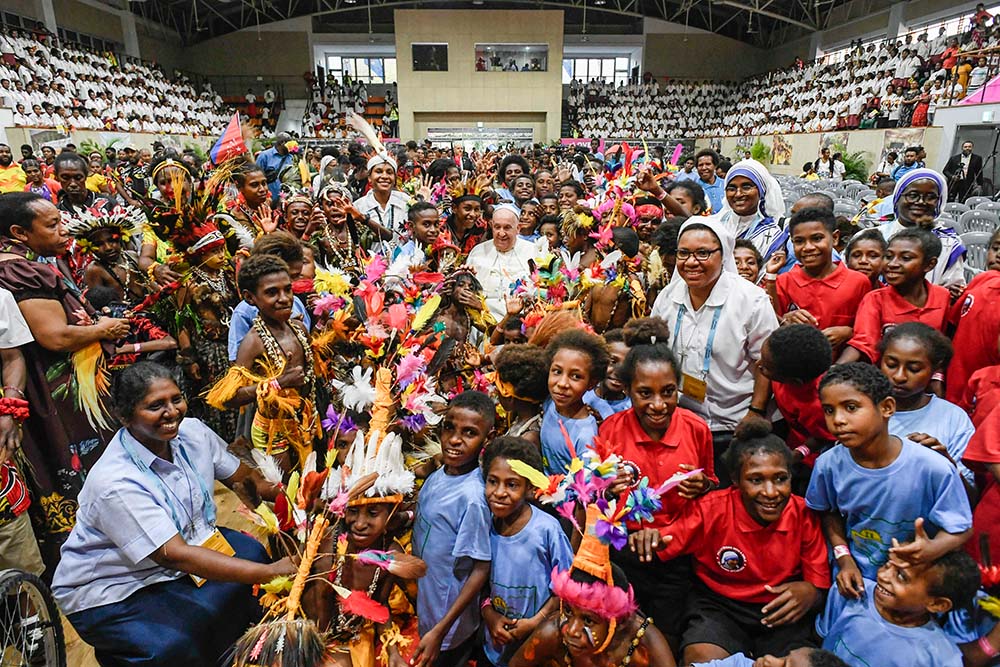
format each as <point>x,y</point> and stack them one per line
<point>79,654</point>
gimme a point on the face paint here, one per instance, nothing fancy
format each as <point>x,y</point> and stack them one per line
<point>590,636</point>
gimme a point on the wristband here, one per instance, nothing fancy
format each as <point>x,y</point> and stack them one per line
<point>662,196</point>
<point>840,551</point>
<point>986,647</point>
<point>275,385</point>
<point>771,276</point>
<point>15,407</point>
<point>805,451</point>
<point>138,348</point>
<point>489,603</point>
<point>10,388</point>
<point>760,411</point>
<point>939,376</point>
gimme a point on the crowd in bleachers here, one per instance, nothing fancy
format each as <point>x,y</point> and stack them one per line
<point>64,86</point>
<point>891,83</point>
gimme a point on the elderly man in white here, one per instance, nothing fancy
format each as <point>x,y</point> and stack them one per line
<point>502,260</point>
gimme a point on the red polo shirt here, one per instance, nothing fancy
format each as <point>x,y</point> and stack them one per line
<point>736,557</point>
<point>884,308</point>
<point>976,315</point>
<point>832,300</point>
<point>982,394</point>
<point>688,440</point>
<point>799,405</point>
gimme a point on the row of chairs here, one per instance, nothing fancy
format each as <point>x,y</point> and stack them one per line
<point>977,244</point>
<point>971,204</point>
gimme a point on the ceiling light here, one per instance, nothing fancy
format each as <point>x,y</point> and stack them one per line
<point>600,3</point>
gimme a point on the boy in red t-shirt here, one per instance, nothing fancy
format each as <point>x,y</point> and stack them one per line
<point>907,297</point>
<point>976,318</point>
<point>818,291</point>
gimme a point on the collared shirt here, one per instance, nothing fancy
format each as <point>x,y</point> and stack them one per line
<point>272,164</point>
<point>687,441</point>
<point>799,405</point>
<point>736,556</point>
<point>715,192</point>
<point>127,513</point>
<point>950,268</point>
<point>746,319</point>
<point>688,176</point>
<point>392,216</point>
<point>497,271</point>
<point>884,308</point>
<point>832,300</point>
<point>977,320</point>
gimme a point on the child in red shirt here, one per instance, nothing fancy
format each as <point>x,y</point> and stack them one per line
<point>657,439</point>
<point>976,319</point>
<point>759,556</point>
<point>818,291</point>
<point>907,297</point>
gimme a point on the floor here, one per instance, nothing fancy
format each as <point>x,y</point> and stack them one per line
<point>79,654</point>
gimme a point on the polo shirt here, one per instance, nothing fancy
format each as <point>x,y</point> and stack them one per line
<point>977,320</point>
<point>735,556</point>
<point>799,405</point>
<point>982,394</point>
<point>746,319</point>
<point>884,308</point>
<point>832,300</point>
<point>715,192</point>
<point>687,441</point>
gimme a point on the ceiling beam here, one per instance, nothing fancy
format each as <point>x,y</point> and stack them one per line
<point>765,12</point>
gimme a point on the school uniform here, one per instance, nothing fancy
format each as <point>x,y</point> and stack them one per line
<point>858,634</point>
<point>734,558</point>
<point>832,300</point>
<point>982,394</point>
<point>882,309</point>
<point>555,451</point>
<point>881,504</point>
<point>799,405</point>
<point>977,321</point>
<point>950,268</point>
<point>521,572</point>
<point>942,420</point>
<point>983,451</point>
<point>605,407</point>
<point>450,532</point>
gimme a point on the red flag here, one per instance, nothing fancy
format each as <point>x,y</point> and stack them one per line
<point>230,143</point>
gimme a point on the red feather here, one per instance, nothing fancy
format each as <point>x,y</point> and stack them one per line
<point>359,604</point>
<point>283,512</point>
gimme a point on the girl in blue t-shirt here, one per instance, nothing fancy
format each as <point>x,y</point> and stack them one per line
<point>577,361</point>
<point>912,354</point>
<point>526,544</point>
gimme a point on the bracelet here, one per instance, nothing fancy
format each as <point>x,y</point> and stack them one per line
<point>489,603</point>
<point>275,385</point>
<point>760,411</point>
<point>804,451</point>
<point>662,196</point>
<point>939,376</point>
<point>138,348</point>
<point>15,407</point>
<point>986,647</point>
<point>840,551</point>
<point>151,269</point>
<point>771,276</point>
<point>10,388</point>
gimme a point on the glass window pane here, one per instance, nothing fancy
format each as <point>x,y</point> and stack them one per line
<point>349,66</point>
<point>567,71</point>
<point>594,68</point>
<point>390,70</point>
<point>608,69</point>
<point>333,63</point>
<point>377,69</point>
<point>621,64</point>
<point>362,67</point>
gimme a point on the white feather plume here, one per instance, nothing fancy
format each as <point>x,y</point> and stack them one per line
<point>267,465</point>
<point>367,131</point>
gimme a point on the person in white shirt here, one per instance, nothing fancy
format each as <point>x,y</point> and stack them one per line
<point>502,260</point>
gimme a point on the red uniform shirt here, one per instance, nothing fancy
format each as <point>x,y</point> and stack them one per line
<point>736,557</point>
<point>799,405</point>
<point>688,440</point>
<point>884,308</point>
<point>982,394</point>
<point>832,300</point>
<point>976,315</point>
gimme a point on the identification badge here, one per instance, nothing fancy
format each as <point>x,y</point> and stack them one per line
<point>693,388</point>
<point>216,542</point>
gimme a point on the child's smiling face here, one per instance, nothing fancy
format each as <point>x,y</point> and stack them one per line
<point>463,435</point>
<point>569,379</point>
<point>506,491</point>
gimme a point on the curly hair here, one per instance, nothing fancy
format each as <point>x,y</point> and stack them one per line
<point>958,581</point>
<point>642,330</point>
<point>590,344</point>
<point>929,243</point>
<point>864,377</point>
<point>873,235</point>
<point>478,402</point>
<point>279,244</point>
<point>665,236</point>
<point>935,344</point>
<point>525,367</point>
<point>799,352</point>
<point>512,447</point>
<point>755,438</point>
<point>645,353</point>
<point>256,267</point>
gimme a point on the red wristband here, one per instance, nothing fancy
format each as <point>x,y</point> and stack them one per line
<point>986,647</point>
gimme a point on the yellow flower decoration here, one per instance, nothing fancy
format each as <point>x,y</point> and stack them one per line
<point>585,220</point>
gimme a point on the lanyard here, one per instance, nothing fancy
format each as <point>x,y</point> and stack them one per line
<point>208,504</point>
<point>707,361</point>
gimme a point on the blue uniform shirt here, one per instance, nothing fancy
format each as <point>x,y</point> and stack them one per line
<point>940,419</point>
<point>555,451</point>
<point>605,407</point>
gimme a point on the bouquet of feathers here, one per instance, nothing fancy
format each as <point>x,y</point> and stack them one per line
<point>554,281</point>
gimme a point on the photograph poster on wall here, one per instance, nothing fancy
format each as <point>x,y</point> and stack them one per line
<point>430,57</point>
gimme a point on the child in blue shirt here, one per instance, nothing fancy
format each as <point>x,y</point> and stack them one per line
<point>800,657</point>
<point>875,489</point>
<point>609,396</point>
<point>893,625</point>
<point>451,533</point>
<point>526,544</point>
<point>911,354</point>
<point>577,361</point>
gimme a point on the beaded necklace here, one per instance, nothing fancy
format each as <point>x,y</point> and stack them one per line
<point>350,624</point>
<point>277,356</point>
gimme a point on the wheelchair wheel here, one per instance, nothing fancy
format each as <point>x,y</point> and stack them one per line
<point>31,632</point>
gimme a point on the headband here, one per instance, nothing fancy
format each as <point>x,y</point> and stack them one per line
<point>381,158</point>
<point>209,241</point>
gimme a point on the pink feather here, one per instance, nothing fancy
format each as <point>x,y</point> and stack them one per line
<point>606,601</point>
<point>399,317</point>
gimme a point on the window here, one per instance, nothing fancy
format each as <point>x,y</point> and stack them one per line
<point>612,69</point>
<point>361,68</point>
<point>512,57</point>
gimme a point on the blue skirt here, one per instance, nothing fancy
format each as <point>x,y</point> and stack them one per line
<point>174,622</point>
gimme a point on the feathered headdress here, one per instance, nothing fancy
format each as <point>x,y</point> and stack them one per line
<point>380,155</point>
<point>122,220</point>
<point>381,456</point>
<point>469,188</point>
<point>576,220</point>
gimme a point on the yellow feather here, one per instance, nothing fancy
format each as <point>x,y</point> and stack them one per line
<point>92,384</point>
<point>990,605</point>
<point>223,391</point>
<point>278,585</point>
<point>265,513</point>
<point>425,313</point>
<point>293,487</point>
<point>536,477</point>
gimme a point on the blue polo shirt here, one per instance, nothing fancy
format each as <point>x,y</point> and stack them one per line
<point>715,192</point>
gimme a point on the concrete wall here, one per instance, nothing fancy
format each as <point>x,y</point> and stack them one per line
<point>249,53</point>
<point>462,96</point>
<point>701,55</point>
<point>88,19</point>
<point>805,147</point>
<point>23,8</point>
<point>160,49</point>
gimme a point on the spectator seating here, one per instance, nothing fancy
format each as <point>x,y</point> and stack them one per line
<point>979,221</point>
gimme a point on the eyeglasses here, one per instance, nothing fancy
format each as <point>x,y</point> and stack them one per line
<point>700,255</point>
<point>746,188</point>
<point>912,196</point>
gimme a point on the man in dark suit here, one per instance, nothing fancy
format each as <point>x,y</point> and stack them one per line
<point>964,173</point>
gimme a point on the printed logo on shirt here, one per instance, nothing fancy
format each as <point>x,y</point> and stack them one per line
<point>967,304</point>
<point>632,469</point>
<point>731,559</point>
<point>793,306</point>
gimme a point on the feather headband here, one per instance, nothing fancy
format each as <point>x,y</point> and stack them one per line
<point>382,456</point>
<point>126,221</point>
<point>608,602</point>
